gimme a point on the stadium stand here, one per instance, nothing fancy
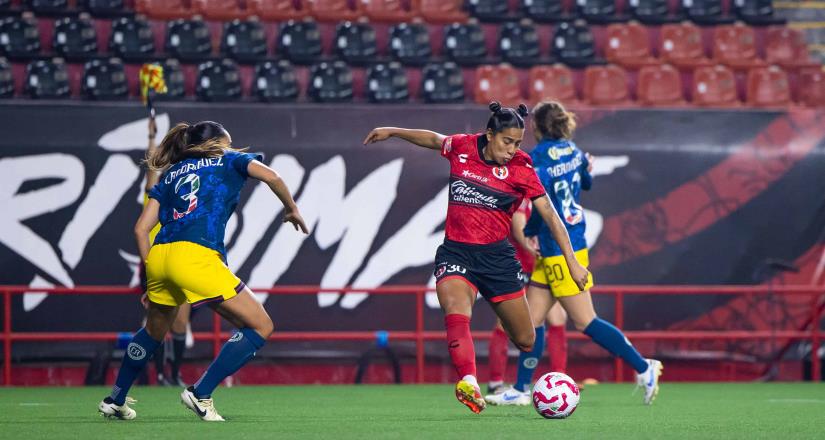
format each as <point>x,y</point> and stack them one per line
<point>660,86</point>
<point>188,39</point>
<point>355,42</point>
<point>388,11</point>
<point>706,12</point>
<point>599,11</point>
<point>628,45</point>
<point>735,46</point>
<point>275,81</point>
<point>410,44</point>
<point>768,87</point>
<point>545,11</point>
<point>681,45</point>
<point>654,12</point>
<point>244,41</point>
<point>300,41</point>
<point>104,79</point>
<point>175,80</point>
<point>74,38</point>
<point>330,82</point>
<point>606,85</point>
<point>221,10</point>
<point>497,83</point>
<point>333,10</point>
<point>132,38</point>
<point>552,82</point>
<point>6,79</point>
<point>518,43</point>
<point>573,44</point>
<point>103,8</point>
<point>464,43</point>
<point>488,10</point>
<point>442,83</point>
<point>19,36</point>
<point>163,9</point>
<point>47,79</point>
<point>219,81</point>
<point>275,10</point>
<point>442,11</point>
<point>811,88</point>
<point>756,12</point>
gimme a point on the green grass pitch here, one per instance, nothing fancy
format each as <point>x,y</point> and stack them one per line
<point>608,411</point>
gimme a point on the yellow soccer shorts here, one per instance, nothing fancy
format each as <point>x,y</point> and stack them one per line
<point>185,271</point>
<point>552,273</point>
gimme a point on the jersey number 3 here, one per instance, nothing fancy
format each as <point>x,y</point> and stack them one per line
<point>194,185</point>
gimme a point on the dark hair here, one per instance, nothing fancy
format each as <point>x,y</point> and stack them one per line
<point>506,117</point>
<point>553,121</point>
<point>203,139</point>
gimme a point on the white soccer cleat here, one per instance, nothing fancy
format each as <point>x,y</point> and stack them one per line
<point>510,396</point>
<point>107,408</point>
<point>204,408</point>
<point>649,380</point>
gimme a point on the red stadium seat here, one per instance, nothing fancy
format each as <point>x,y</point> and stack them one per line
<point>275,10</point>
<point>660,86</point>
<point>811,88</point>
<point>735,46</point>
<point>220,10</point>
<point>497,83</point>
<point>441,11</point>
<point>681,45</point>
<point>551,83</point>
<point>332,10</point>
<point>163,9</point>
<point>388,11</point>
<point>768,87</point>
<point>714,87</point>
<point>605,85</point>
<point>628,45</point>
<point>787,47</point>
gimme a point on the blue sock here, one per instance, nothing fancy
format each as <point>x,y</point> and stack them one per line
<point>236,352</point>
<point>528,360</point>
<point>614,341</point>
<point>137,354</point>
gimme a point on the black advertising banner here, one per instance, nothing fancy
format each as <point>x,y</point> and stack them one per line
<point>679,197</point>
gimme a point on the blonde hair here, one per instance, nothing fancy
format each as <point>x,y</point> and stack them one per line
<point>553,121</point>
<point>177,146</point>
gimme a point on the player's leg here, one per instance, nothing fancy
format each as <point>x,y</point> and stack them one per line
<point>456,296</point>
<point>497,358</point>
<point>159,319</point>
<point>580,309</point>
<point>179,328</point>
<point>557,338</point>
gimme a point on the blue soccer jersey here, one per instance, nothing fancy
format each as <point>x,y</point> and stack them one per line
<point>198,195</point>
<point>562,169</point>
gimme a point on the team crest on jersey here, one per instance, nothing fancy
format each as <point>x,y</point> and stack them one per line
<point>501,173</point>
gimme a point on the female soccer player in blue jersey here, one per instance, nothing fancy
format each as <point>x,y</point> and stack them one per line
<point>563,170</point>
<point>197,192</point>
<point>489,178</point>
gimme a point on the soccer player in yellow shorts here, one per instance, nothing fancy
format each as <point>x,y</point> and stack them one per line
<point>202,176</point>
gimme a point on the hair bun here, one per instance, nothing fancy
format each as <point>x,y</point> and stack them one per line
<point>522,110</point>
<point>495,106</point>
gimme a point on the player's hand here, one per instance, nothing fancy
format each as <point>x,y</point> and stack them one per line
<point>579,274</point>
<point>590,160</point>
<point>153,128</point>
<point>294,217</point>
<point>378,135</point>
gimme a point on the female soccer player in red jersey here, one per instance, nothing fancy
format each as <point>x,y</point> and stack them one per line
<point>197,192</point>
<point>489,178</point>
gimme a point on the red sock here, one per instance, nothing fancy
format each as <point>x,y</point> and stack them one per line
<point>460,344</point>
<point>498,354</point>
<point>557,348</point>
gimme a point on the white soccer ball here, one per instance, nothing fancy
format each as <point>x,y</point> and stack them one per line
<point>555,396</point>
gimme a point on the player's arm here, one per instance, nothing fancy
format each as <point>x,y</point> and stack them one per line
<point>586,170</point>
<point>147,220</point>
<point>422,138</point>
<point>267,175</point>
<point>517,231</point>
<point>543,206</point>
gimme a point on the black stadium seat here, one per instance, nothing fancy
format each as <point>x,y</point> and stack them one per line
<point>756,12</point>
<point>599,11</point>
<point>74,38</point>
<point>47,79</point>
<point>488,10</point>
<point>6,79</point>
<point>5,4</point>
<point>104,79</point>
<point>219,81</point>
<point>103,8</point>
<point>653,12</point>
<point>188,40</point>
<point>300,41</point>
<point>20,37</point>
<point>545,11</point>
<point>244,41</point>
<point>275,81</point>
<point>464,43</point>
<point>355,42</point>
<point>706,12</point>
<point>518,43</point>
<point>387,83</point>
<point>47,7</point>
<point>410,43</point>
<point>175,81</point>
<point>132,38</point>
<point>330,82</point>
<point>573,44</point>
<point>442,83</point>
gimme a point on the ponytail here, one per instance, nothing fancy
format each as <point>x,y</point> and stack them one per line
<point>184,140</point>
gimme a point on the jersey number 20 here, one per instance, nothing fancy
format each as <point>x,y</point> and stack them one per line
<point>194,185</point>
